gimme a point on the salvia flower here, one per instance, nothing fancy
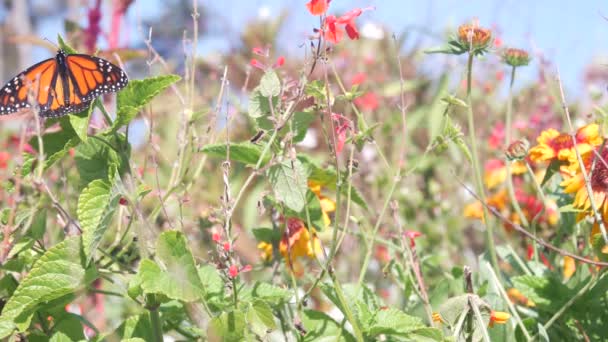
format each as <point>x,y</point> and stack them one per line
<point>317,7</point>
<point>515,57</point>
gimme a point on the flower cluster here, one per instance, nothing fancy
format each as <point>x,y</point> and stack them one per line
<point>333,27</point>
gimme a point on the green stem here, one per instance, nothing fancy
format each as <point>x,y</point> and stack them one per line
<point>477,168</point>
<point>157,325</point>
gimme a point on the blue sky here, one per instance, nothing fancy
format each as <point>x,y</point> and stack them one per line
<point>570,33</point>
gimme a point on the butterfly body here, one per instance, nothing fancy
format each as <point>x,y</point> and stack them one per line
<point>61,85</point>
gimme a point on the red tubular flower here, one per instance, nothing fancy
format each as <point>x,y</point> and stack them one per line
<point>227,246</point>
<point>233,271</point>
<point>411,235</point>
<point>4,158</point>
<point>333,33</point>
<point>358,78</point>
<point>216,237</point>
<point>279,63</point>
<point>317,7</point>
<point>257,64</point>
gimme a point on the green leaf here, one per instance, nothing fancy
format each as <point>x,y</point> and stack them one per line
<point>64,46</point>
<point>229,326</point>
<point>213,286</point>
<point>393,322</point>
<point>135,327</point>
<point>259,318</point>
<point>96,206</point>
<point>68,328</point>
<point>552,169</point>
<point>546,292</point>
<point>178,278</point>
<point>137,94</point>
<point>95,158</point>
<point>320,327</point>
<point>266,235</point>
<point>270,85</point>
<point>289,183</point>
<point>58,272</point>
<point>80,122</point>
<point>300,123</point>
<point>271,294</point>
<point>246,153</point>
<point>436,108</point>
<point>317,90</point>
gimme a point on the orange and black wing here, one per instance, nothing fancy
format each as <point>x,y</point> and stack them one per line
<point>91,77</point>
<point>34,84</point>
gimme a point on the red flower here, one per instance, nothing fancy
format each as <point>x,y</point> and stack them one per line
<point>342,125</point>
<point>367,102</point>
<point>227,246</point>
<point>333,33</point>
<point>349,21</point>
<point>257,64</point>
<point>317,7</point>
<point>358,78</point>
<point>216,237</point>
<point>411,235</point>
<point>4,158</point>
<point>279,63</point>
<point>122,201</point>
<point>497,136</point>
<point>233,271</point>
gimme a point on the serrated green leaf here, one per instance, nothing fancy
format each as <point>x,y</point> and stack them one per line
<point>135,327</point>
<point>137,94</point>
<point>80,122</point>
<point>55,146</point>
<point>178,278</point>
<point>96,206</point>
<point>300,123</point>
<point>545,291</point>
<point>246,153</point>
<point>266,234</point>
<point>96,157</point>
<point>321,327</point>
<point>259,318</point>
<point>271,294</point>
<point>229,326</point>
<point>392,322</point>
<point>58,272</point>
<point>68,328</point>
<point>270,85</point>
<point>289,183</point>
<point>213,286</point>
<point>317,90</point>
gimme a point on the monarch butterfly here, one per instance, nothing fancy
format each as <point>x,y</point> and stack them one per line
<point>62,85</point>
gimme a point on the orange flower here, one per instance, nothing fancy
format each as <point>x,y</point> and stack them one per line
<point>473,35</point>
<point>317,7</point>
<point>496,172</point>
<point>498,317</point>
<point>437,317</point>
<point>555,145</point>
<point>569,267</point>
<point>298,243</point>
<point>517,297</point>
<point>515,57</point>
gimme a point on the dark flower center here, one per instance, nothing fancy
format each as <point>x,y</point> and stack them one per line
<point>562,141</point>
<point>599,176</point>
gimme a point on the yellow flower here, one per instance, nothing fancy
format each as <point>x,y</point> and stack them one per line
<point>555,145</point>
<point>437,317</point>
<point>474,36</point>
<point>495,172</point>
<point>498,317</point>
<point>574,182</point>
<point>265,250</point>
<point>296,241</point>
<point>327,205</point>
<point>569,267</point>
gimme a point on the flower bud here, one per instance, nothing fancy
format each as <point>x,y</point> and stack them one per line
<point>515,57</point>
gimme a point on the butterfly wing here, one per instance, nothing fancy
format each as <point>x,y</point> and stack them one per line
<point>37,80</point>
<point>91,76</point>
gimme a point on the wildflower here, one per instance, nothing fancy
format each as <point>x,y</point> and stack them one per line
<point>569,267</point>
<point>518,150</point>
<point>498,200</point>
<point>317,7</point>
<point>437,317</point>
<point>226,246</point>
<point>279,63</point>
<point>495,172</point>
<point>497,136</point>
<point>122,201</point>
<point>257,64</point>
<point>367,102</point>
<point>554,145</point>
<point>473,36</point>
<point>216,237</point>
<point>543,258</point>
<point>411,235</point>
<point>327,205</point>
<point>334,33</point>
<point>498,317</point>
<point>341,126</point>
<point>4,158</point>
<point>233,271</point>
<point>574,182</point>
<point>358,78</point>
<point>265,250</point>
<point>297,241</point>
<point>515,57</point>
<point>517,297</point>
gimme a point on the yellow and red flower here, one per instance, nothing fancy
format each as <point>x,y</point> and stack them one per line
<point>498,317</point>
<point>574,182</point>
<point>553,145</point>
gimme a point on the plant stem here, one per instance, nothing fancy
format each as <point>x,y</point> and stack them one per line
<point>476,167</point>
<point>157,325</point>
